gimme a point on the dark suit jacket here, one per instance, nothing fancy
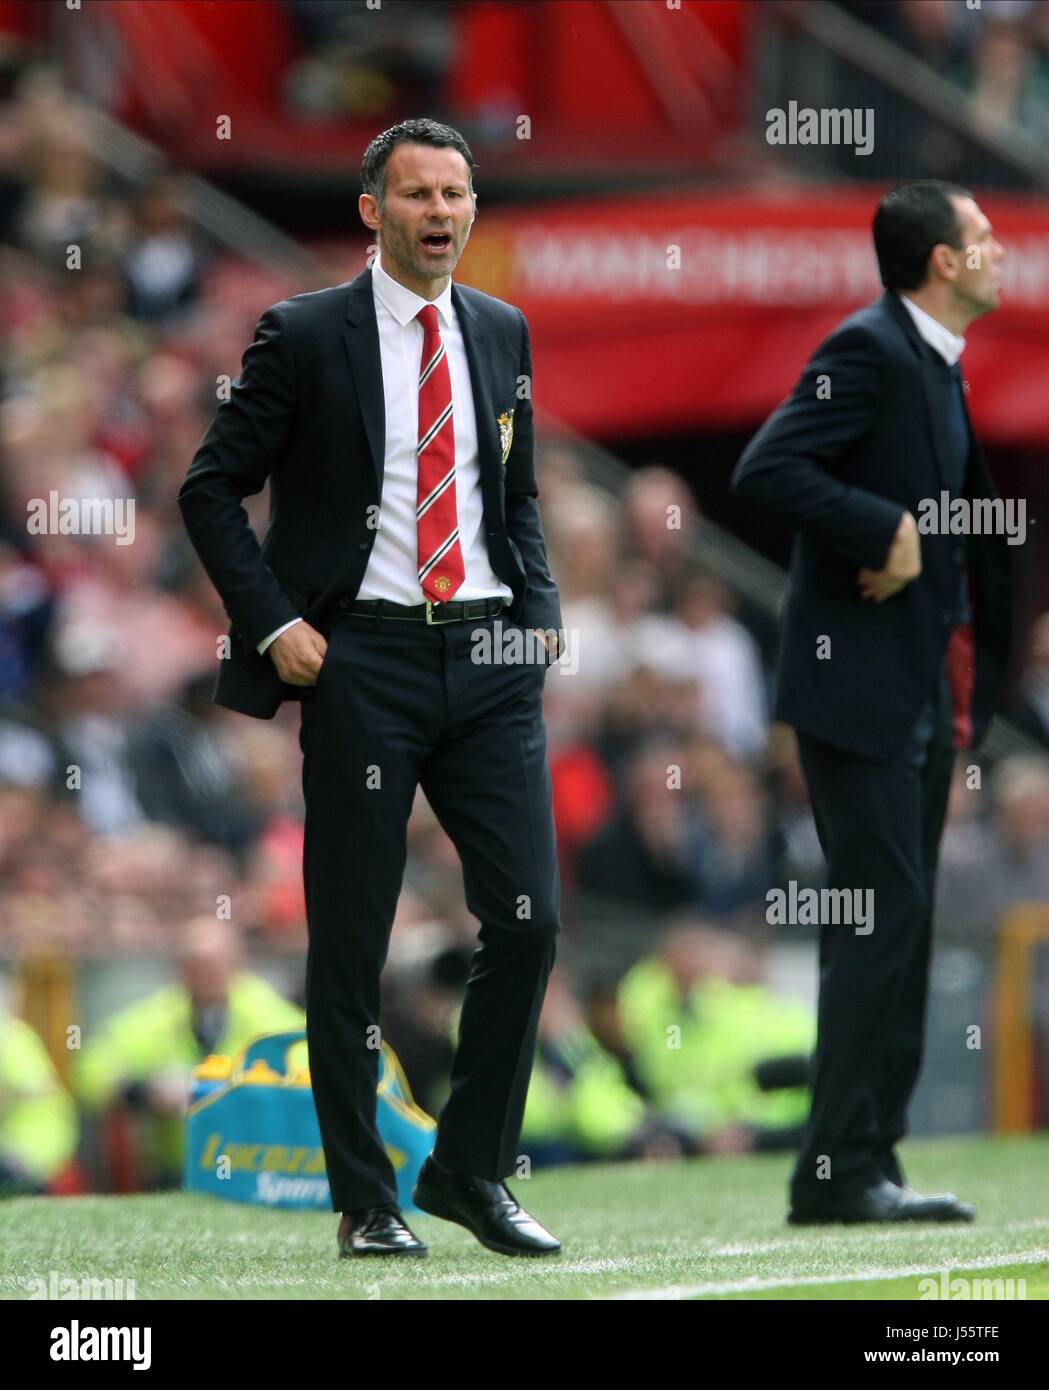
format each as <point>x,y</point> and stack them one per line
<point>307,412</point>
<point>844,469</point>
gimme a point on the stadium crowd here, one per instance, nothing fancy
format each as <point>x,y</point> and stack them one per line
<point>132,807</point>
<point>988,61</point>
<point>996,53</point>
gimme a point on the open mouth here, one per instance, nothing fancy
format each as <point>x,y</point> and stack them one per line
<point>437,242</point>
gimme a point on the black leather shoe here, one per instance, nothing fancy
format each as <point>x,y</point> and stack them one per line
<point>882,1202</point>
<point>377,1231</point>
<point>947,1206</point>
<point>485,1208</point>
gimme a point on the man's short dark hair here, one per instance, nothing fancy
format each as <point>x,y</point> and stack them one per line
<point>420,131</point>
<point>911,219</point>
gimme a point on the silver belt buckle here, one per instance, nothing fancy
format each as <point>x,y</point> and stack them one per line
<point>430,621</point>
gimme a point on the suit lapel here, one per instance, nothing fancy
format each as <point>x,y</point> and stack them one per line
<point>361,336</point>
<point>489,452</point>
<point>930,409</point>
<point>903,318</point>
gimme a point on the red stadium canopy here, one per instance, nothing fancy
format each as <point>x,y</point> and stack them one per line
<point>632,337</point>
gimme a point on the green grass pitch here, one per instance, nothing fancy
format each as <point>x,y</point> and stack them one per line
<point>711,1229</point>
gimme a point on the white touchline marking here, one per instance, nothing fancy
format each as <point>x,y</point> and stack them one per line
<point>545,1269</point>
<point>751,1248</point>
<point>542,1271</point>
<point>1023,1257</point>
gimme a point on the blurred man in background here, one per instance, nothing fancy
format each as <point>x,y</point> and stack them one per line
<point>699,1023</point>
<point>1008,863</point>
<point>141,1058</point>
<point>582,1104</point>
<point>38,1122</point>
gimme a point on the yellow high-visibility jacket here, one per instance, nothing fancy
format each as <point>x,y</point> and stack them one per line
<point>155,1035</point>
<point>697,1055</point>
<point>38,1121</point>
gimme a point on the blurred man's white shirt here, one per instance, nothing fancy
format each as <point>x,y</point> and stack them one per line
<point>723,660</point>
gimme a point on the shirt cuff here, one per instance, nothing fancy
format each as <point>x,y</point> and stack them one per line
<point>267,640</point>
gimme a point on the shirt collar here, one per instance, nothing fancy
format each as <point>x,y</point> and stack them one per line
<point>947,344</point>
<point>404,304</point>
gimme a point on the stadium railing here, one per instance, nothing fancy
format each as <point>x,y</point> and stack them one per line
<point>923,119</point>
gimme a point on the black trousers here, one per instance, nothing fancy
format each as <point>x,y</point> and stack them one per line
<point>879,825</point>
<point>398,705</point>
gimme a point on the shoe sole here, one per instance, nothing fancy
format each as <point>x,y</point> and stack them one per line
<point>435,1209</point>
<point>794,1219</point>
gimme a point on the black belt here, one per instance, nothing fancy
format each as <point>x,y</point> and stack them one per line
<point>434,614</point>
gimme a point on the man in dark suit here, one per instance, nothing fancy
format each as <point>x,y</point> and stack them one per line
<point>894,641</point>
<point>402,594</point>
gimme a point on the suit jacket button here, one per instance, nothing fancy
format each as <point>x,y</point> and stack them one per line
<point>948,618</point>
<point>363,545</point>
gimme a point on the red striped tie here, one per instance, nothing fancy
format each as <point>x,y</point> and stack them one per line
<point>440,559</point>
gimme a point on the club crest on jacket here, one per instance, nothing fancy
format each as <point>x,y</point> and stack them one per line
<point>506,432</point>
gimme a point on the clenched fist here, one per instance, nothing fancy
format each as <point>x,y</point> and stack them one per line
<point>298,654</point>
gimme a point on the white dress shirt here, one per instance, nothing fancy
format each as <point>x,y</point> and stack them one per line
<point>392,571</point>
<point>947,344</point>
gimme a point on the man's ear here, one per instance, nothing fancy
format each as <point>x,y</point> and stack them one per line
<point>369,211</point>
<point>941,259</point>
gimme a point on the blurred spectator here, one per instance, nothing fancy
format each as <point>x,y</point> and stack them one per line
<point>1030,711</point>
<point>25,754</point>
<point>648,850</point>
<point>378,62</point>
<point>38,1122</point>
<point>163,264</point>
<point>932,30</point>
<point>1011,865</point>
<point>185,772</point>
<point>1006,75</point>
<point>581,1104</point>
<point>422,991</point>
<point>641,707</point>
<point>660,521</point>
<point>92,746</point>
<point>141,1058</point>
<point>937,32</point>
<point>966,835</point>
<point>25,611</point>
<point>723,1057</point>
<point>583,799</point>
<point>736,862</point>
<point>584,543</point>
<point>701,641</point>
<point>993,52</point>
<point>119,594</point>
<point>68,204</point>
